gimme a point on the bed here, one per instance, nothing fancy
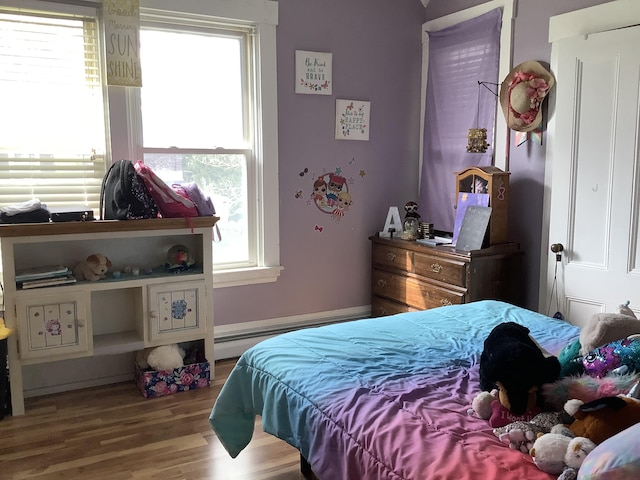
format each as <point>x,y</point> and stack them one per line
<point>381,398</point>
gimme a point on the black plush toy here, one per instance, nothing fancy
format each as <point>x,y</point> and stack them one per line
<point>516,365</point>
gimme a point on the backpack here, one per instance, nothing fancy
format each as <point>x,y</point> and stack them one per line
<point>170,204</point>
<point>203,202</point>
<point>124,196</point>
<point>192,191</point>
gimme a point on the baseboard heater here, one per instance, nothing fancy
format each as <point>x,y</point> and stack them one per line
<point>232,344</point>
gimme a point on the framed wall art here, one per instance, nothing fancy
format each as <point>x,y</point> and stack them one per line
<point>352,119</point>
<point>313,73</point>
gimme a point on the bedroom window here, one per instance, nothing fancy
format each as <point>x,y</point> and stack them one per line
<point>203,133</point>
<point>460,50</point>
<point>206,113</point>
<point>53,136</point>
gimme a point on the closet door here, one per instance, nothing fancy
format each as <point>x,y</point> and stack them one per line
<point>594,188</point>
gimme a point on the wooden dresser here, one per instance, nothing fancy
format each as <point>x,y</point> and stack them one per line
<point>408,276</point>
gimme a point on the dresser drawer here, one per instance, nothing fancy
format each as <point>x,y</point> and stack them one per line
<point>388,256</point>
<point>442,269</point>
<point>414,293</point>
<point>381,307</point>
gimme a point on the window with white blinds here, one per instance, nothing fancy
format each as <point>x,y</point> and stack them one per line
<point>52,126</point>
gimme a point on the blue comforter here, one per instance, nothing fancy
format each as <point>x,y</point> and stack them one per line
<point>381,398</point>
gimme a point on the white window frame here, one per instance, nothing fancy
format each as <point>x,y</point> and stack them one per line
<point>127,142</point>
<point>125,128</point>
<point>501,132</point>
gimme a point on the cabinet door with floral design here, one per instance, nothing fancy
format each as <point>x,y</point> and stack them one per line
<point>53,325</point>
<point>176,311</point>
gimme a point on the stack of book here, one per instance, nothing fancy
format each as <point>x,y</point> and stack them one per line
<point>45,276</point>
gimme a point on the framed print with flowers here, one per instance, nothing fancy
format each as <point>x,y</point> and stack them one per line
<point>352,120</point>
<point>313,73</point>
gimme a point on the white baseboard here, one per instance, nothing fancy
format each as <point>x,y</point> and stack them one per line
<point>231,341</point>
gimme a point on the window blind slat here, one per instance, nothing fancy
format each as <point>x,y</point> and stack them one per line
<point>53,124</point>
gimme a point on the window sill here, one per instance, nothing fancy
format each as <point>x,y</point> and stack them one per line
<point>245,276</point>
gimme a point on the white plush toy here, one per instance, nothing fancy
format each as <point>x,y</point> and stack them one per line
<point>165,357</point>
<point>561,453</point>
<point>93,268</point>
<point>604,328</point>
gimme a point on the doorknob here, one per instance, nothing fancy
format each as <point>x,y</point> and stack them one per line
<point>557,248</point>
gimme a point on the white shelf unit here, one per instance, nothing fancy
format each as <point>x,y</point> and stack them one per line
<point>114,315</point>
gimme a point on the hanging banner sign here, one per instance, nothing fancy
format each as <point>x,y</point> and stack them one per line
<point>122,40</point>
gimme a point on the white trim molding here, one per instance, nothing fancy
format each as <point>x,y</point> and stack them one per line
<point>599,18</point>
<point>232,340</point>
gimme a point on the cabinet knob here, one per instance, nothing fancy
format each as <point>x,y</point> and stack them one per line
<point>80,323</point>
<point>382,283</point>
<point>153,314</point>
<point>391,256</point>
<point>444,302</point>
<point>382,311</point>
<point>436,267</point>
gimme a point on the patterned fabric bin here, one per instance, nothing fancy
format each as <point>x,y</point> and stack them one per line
<point>159,383</point>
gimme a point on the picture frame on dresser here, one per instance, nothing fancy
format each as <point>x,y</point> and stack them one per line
<point>494,182</point>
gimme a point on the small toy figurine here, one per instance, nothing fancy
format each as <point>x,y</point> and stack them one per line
<point>179,258</point>
<point>411,209</point>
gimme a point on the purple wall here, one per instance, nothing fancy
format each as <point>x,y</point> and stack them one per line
<point>376,47</point>
<point>527,162</point>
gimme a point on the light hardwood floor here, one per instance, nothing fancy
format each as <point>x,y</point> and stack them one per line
<point>113,433</point>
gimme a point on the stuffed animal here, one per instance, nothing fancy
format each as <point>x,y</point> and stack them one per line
<point>521,435</point>
<point>5,332</point>
<point>165,357</point>
<point>617,357</point>
<point>517,366</point>
<point>586,388</point>
<point>603,328</point>
<point>603,418</point>
<point>571,360</point>
<point>93,268</point>
<point>487,406</point>
<point>560,453</point>
<point>481,404</point>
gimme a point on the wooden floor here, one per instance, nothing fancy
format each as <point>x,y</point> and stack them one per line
<point>113,433</point>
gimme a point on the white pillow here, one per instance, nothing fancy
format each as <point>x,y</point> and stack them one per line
<point>617,458</point>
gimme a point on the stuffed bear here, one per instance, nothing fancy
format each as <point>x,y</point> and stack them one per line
<point>516,365</point>
<point>560,453</point>
<point>93,268</point>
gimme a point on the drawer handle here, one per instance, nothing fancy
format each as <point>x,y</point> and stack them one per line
<point>445,303</point>
<point>436,267</point>
<point>382,283</point>
<point>391,256</point>
<point>382,311</point>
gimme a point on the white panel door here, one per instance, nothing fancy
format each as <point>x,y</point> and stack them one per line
<point>594,189</point>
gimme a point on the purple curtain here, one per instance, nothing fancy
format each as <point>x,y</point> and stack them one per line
<point>460,56</point>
